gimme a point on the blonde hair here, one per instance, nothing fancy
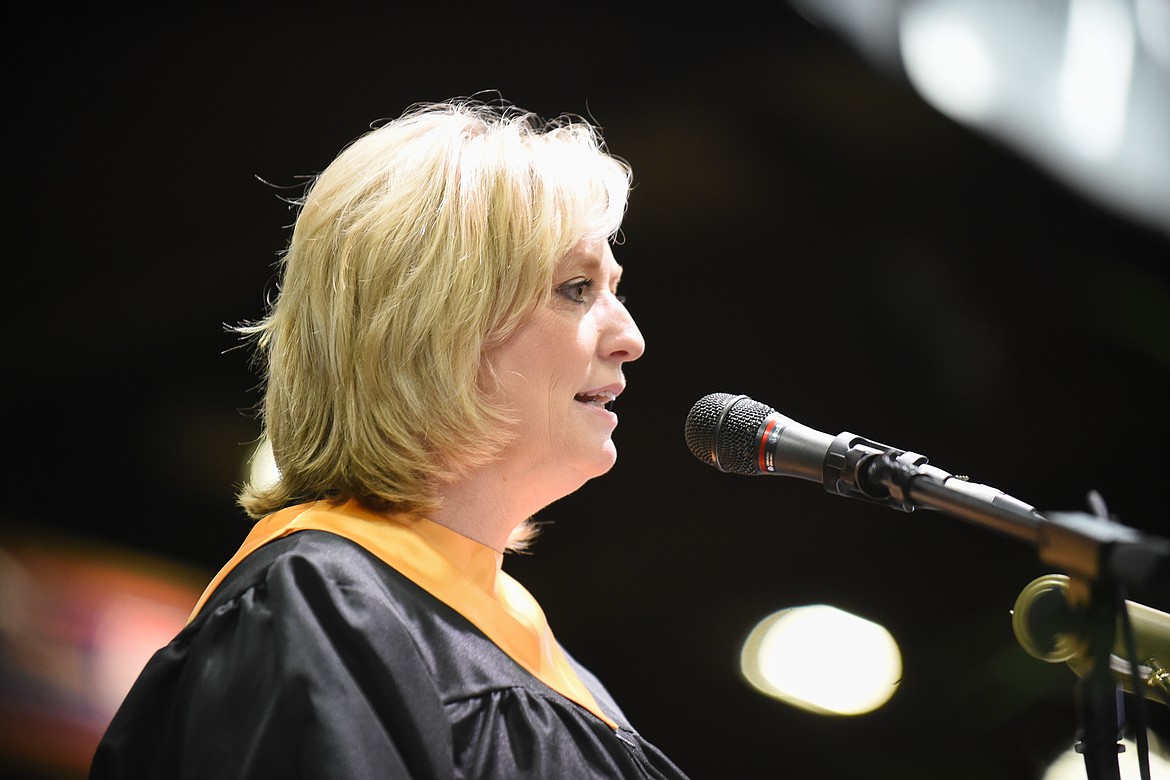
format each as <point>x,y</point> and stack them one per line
<point>427,241</point>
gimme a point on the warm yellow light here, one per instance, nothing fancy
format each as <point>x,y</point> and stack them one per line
<point>822,659</point>
<point>261,466</point>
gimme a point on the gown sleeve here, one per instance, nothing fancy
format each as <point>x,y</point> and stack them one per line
<point>297,668</point>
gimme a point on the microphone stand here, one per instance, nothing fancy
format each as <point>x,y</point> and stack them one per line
<point>1108,559</point>
<point>1100,707</point>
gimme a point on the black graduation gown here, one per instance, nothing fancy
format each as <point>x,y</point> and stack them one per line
<point>314,659</point>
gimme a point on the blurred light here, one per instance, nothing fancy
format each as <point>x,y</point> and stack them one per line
<point>1093,95</point>
<point>947,61</point>
<point>872,25</point>
<point>1070,765</point>
<point>822,659</point>
<point>261,466</point>
<point>1153,26</point>
<point>128,630</point>
<point>77,623</point>
<point>1081,87</point>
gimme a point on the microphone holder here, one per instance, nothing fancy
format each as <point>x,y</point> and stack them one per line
<point>1108,560</point>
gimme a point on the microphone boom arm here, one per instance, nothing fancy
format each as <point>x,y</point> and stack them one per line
<point>1083,545</point>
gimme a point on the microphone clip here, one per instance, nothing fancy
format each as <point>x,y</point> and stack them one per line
<point>857,467</point>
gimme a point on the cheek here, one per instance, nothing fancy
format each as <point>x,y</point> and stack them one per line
<point>541,367</point>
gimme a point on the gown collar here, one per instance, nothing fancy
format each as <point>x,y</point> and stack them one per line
<point>457,570</point>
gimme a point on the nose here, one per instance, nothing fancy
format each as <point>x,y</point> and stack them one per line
<point>621,340</point>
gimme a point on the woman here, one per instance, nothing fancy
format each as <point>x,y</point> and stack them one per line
<point>440,359</point>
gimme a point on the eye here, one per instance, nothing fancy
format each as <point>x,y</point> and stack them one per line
<point>576,290</point>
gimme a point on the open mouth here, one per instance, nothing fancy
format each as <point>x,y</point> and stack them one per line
<point>600,398</point>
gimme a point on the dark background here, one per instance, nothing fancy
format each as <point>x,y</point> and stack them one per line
<point>804,230</point>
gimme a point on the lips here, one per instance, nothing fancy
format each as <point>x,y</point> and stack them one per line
<point>601,398</point>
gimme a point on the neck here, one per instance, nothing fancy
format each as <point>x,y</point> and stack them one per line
<point>488,503</point>
<point>471,516</point>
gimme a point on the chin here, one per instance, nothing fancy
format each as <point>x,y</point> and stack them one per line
<point>584,467</point>
<point>604,461</point>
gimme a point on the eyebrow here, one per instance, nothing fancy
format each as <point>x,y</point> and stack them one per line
<point>586,263</point>
<point>592,265</point>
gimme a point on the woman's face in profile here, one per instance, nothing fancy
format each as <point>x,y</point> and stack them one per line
<point>559,371</point>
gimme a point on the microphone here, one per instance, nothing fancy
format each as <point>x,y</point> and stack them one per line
<point>723,431</point>
<point>738,435</point>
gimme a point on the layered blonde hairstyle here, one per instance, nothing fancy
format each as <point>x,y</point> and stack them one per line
<point>426,242</point>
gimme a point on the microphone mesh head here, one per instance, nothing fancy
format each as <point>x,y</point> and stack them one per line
<point>721,431</point>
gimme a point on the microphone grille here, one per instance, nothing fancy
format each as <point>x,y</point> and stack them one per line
<point>721,431</point>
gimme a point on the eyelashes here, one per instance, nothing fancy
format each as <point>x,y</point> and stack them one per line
<point>579,290</point>
<point>576,290</point>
